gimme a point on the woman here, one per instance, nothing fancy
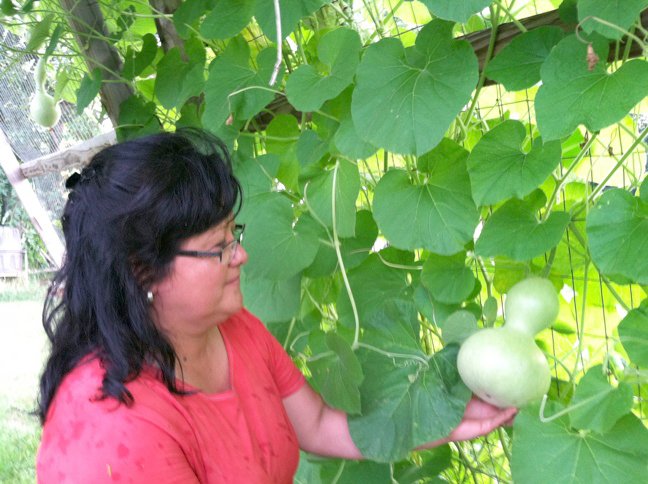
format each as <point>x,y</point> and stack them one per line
<point>157,373</point>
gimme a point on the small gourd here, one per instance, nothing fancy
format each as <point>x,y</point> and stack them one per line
<point>43,108</point>
<point>504,366</point>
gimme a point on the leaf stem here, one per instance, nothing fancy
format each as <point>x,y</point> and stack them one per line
<point>290,329</point>
<point>338,253</point>
<point>626,155</point>
<point>547,268</point>
<point>277,65</point>
<point>379,27</point>
<point>564,411</point>
<point>511,16</point>
<point>503,438</point>
<point>581,329</point>
<point>482,75</point>
<point>560,183</point>
<point>390,354</point>
<point>387,18</point>
<point>398,266</point>
<point>605,280</point>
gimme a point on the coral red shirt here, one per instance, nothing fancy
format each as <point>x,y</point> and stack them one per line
<point>239,436</point>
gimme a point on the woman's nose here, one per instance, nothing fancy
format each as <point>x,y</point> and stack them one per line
<point>240,256</point>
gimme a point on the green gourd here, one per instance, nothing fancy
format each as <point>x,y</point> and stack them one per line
<point>43,108</point>
<point>504,366</point>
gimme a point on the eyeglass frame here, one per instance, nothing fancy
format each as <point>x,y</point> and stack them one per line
<point>238,231</point>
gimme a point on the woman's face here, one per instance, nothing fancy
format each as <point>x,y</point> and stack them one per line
<point>201,291</point>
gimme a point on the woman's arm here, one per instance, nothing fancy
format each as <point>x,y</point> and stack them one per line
<point>324,431</point>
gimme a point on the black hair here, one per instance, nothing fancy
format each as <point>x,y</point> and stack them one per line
<point>129,210</point>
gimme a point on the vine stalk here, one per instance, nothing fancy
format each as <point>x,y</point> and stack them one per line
<point>338,253</point>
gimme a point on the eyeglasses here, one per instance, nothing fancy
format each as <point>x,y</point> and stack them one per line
<point>226,254</point>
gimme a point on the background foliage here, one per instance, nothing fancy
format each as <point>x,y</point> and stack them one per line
<point>397,184</point>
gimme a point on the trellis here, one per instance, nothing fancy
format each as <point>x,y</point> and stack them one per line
<point>495,103</point>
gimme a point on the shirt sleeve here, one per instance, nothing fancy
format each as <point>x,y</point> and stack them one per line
<point>287,376</point>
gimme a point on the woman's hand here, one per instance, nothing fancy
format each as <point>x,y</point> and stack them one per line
<point>480,418</point>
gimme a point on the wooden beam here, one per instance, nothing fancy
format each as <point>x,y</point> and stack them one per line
<point>37,214</point>
<point>77,156</point>
<point>479,41</point>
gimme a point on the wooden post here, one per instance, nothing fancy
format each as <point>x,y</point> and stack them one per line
<point>35,210</point>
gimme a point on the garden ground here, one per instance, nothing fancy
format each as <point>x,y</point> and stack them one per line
<point>22,349</point>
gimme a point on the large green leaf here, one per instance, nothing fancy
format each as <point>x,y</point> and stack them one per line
<point>283,135</point>
<point>622,13</point>
<point>89,88</point>
<point>278,248</point>
<point>405,99</point>
<point>185,17</point>
<point>272,301</point>
<point>346,139</point>
<point>136,118</point>
<point>436,312</point>
<point>291,12</point>
<point>439,215</point>
<point>459,326</point>
<point>617,230</point>
<point>39,33</point>
<point>457,10</point>
<point>447,277</point>
<point>405,404</point>
<point>356,249</point>
<point>553,452</point>
<point>338,374</point>
<point>517,66</point>
<point>177,80</point>
<point>633,332</point>
<point>500,167</point>
<point>345,177</point>
<point>597,404</point>
<point>339,51</point>
<point>227,18</point>
<point>315,470</point>
<point>428,463</point>
<point>447,151</point>
<point>373,284</point>
<point>256,175</point>
<point>135,63</point>
<point>514,231</point>
<point>394,328</point>
<point>310,149</point>
<point>572,94</point>
<point>231,72</point>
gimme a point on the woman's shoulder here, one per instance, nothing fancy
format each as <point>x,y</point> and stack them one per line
<point>80,396</point>
<point>86,436</point>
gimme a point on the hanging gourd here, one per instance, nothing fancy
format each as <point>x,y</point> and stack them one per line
<point>504,366</point>
<point>44,109</point>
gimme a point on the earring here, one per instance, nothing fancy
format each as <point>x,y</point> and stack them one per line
<point>149,296</point>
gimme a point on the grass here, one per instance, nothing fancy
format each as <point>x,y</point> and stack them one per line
<point>22,350</point>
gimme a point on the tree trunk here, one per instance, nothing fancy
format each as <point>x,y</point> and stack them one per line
<point>167,32</point>
<point>87,24</point>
